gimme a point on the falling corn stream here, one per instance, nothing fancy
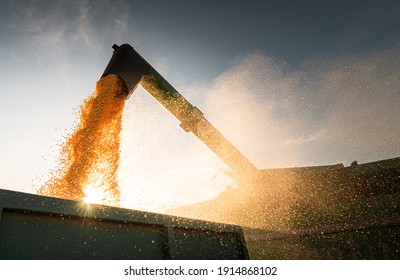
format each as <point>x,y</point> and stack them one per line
<point>90,157</point>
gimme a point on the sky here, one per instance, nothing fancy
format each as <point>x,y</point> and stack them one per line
<point>289,83</point>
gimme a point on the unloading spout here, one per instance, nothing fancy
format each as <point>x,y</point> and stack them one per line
<point>134,69</point>
<point>127,64</point>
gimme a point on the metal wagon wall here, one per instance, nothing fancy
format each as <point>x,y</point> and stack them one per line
<point>38,227</point>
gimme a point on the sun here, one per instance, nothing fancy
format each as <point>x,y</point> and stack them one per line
<point>94,195</point>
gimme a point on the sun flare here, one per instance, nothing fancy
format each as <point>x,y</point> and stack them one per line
<point>94,195</point>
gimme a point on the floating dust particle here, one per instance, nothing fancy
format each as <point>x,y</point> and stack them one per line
<point>90,156</point>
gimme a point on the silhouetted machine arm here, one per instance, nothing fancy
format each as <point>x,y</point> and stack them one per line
<point>133,69</point>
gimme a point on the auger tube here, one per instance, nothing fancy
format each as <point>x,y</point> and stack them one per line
<point>134,70</point>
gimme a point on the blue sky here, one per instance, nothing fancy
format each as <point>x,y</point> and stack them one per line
<point>290,83</point>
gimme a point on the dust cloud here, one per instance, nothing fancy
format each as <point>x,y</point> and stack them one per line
<point>324,112</point>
